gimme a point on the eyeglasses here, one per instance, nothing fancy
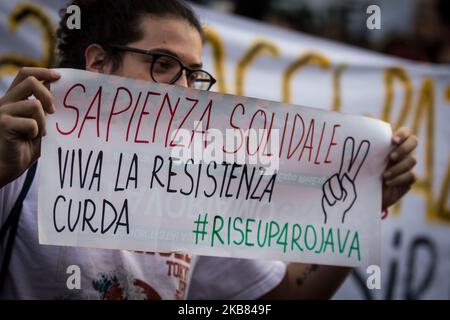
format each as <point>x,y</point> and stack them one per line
<point>165,68</point>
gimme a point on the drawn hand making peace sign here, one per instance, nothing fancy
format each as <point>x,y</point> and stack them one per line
<point>339,191</point>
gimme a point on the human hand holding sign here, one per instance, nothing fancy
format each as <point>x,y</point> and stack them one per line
<point>399,175</point>
<point>339,191</point>
<point>22,120</point>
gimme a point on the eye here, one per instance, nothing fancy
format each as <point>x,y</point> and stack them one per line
<point>193,77</point>
<point>199,79</point>
<point>166,65</point>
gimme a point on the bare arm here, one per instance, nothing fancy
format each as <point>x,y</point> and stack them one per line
<point>309,281</point>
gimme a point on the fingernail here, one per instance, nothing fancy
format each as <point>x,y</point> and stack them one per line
<point>53,107</point>
<point>394,155</point>
<point>397,139</point>
<point>56,74</point>
<point>387,174</point>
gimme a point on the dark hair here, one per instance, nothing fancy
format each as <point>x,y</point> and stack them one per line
<point>107,22</point>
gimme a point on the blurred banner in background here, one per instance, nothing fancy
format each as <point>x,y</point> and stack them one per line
<point>257,60</point>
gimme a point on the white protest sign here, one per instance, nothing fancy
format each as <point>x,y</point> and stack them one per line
<point>111,174</point>
<point>255,59</point>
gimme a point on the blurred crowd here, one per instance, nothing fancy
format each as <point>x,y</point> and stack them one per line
<point>412,29</point>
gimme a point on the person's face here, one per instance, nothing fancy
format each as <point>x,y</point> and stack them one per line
<point>170,35</point>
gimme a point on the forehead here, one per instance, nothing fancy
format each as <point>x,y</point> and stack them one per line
<point>174,34</point>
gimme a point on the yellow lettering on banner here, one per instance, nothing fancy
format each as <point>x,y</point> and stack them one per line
<point>425,115</point>
<point>442,208</point>
<point>309,58</point>
<point>218,51</point>
<point>337,74</point>
<point>258,48</point>
<point>445,191</point>
<point>10,63</point>
<point>443,211</point>
<point>447,94</point>
<point>391,74</point>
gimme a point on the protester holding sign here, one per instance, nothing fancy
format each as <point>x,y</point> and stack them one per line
<point>153,41</point>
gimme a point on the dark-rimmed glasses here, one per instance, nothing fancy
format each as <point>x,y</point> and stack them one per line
<point>166,68</point>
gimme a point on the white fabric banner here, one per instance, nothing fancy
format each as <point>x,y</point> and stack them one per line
<point>257,60</point>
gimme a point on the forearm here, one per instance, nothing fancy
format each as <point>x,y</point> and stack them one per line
<point>309,281</point>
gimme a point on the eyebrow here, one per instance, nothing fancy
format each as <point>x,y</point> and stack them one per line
<point>170,52</point>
